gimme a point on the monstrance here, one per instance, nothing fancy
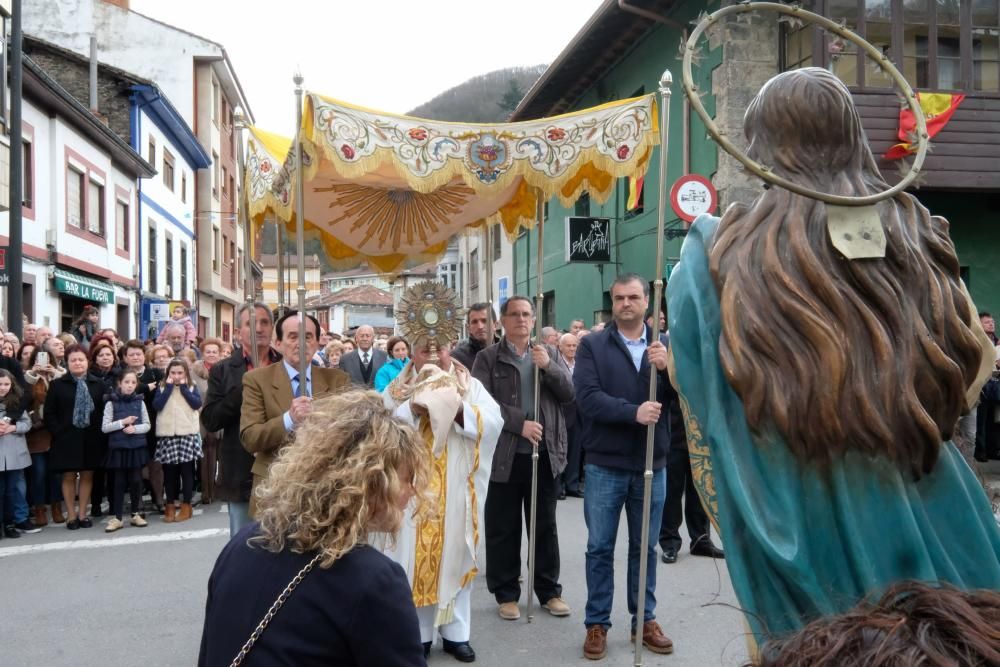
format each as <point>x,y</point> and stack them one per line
<point>428,317</point>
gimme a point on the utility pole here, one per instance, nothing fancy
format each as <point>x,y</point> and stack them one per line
<point>15,257</point>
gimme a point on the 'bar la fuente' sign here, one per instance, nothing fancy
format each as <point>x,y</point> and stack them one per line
<point>83,288</point>
<point>588,240</point>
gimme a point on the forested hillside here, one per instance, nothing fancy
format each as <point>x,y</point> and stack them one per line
<point>487,98</point>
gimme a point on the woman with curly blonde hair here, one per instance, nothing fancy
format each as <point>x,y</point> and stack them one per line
<point>352,471</point>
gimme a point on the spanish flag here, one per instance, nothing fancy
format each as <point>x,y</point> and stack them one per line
<point>634,192</point>
<point>938,109</point>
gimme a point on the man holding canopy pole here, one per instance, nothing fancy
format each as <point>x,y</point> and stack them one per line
<point>612,378</point>
<point>507,370</point>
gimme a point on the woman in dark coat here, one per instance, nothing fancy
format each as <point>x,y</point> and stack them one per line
<point>323,497</point>
<point>104,366</point>
<point>74,420</point>
<point>104,363</point>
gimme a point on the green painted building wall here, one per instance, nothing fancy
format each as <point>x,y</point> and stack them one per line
<point>579,289</point>
<point>974,219</point>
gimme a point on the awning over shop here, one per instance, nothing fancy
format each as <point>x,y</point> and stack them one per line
<point>83,287</point>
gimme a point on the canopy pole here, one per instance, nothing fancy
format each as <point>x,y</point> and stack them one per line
<point>300,215</point>
<point>466,292</point>
<point>487,244</point>
<point>539,302</point>
<point>279,250</point>
<point>666,80</point>
<point>248,284</point>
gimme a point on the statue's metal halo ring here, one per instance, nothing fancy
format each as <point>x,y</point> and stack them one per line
<point>760,169</point>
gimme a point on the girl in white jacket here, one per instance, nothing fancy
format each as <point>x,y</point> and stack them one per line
<point>178,435</point>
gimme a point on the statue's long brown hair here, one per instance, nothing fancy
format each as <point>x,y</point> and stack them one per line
<point>912,623</point>
<point>872,355</point>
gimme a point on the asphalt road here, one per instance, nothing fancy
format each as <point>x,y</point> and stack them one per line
<point>136,597</point>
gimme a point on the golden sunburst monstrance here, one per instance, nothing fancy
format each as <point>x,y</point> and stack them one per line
<point>428,314</point>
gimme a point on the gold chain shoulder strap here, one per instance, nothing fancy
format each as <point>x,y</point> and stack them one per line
<point>278,603</point>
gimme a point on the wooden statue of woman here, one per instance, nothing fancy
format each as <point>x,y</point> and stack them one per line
<point>821,392</point>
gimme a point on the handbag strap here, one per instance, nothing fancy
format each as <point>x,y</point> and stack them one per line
<point>278,603</point>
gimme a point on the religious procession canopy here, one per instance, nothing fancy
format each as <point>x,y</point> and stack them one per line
<point>390,191</point>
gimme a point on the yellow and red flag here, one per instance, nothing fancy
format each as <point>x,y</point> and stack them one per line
<point>938,109</point>
<point>634,192</point>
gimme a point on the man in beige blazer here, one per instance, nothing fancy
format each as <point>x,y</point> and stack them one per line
<point>275,401</point>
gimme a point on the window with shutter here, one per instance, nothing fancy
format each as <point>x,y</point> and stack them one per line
<point>121,225</point>
<point>95,208</point>
<point>74,197</point>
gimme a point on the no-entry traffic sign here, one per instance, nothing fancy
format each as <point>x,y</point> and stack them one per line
<point>693,195</point>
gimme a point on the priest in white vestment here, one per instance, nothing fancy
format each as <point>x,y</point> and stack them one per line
<point>460,423</point>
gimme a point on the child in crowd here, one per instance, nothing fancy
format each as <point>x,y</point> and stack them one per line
<point>85,328</point>
<point>14,458</point>
<point>178,436</point>
<point>180,315</point>
<point>126,422</point>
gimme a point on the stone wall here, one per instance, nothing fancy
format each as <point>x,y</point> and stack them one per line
<point>74,76</point>
<point>750,58</point>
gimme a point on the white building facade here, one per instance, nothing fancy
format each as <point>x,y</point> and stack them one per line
<point>196,74</point>
<point>395,285</point>
<point>473,254</point>
<point>347,309</point>
<point>79,215</point>
<point>270,282</point>
<point>166,209</point>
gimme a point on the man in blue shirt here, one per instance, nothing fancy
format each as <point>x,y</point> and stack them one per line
<point>611,377</point>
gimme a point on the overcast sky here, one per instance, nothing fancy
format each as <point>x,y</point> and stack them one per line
<point>391,55</point>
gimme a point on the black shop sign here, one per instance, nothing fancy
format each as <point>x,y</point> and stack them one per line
<point>588,240</point>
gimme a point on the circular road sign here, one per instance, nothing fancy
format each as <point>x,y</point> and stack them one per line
<point>693,195</point>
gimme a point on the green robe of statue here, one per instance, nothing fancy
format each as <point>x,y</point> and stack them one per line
<point>801,543</point>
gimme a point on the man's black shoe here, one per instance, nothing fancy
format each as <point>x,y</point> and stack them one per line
<point>461,650</point>
<point>669,556</point>
<point>11,532</point>
<point>704,547</point>
<point>427,649</point>
<point>562,495</point>
<point>574,494</point>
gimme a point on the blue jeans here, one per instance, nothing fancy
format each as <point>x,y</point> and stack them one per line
<point>239,516</point>
<point>12,490</point>
<point>45,488</point>
<point>608,489</point>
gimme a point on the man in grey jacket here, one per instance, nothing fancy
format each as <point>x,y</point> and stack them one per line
<point>506,369</point>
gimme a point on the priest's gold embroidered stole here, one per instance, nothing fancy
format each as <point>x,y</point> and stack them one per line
<point>430,529</point>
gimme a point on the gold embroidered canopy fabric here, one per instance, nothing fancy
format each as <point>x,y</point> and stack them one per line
<point>391,190</point>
